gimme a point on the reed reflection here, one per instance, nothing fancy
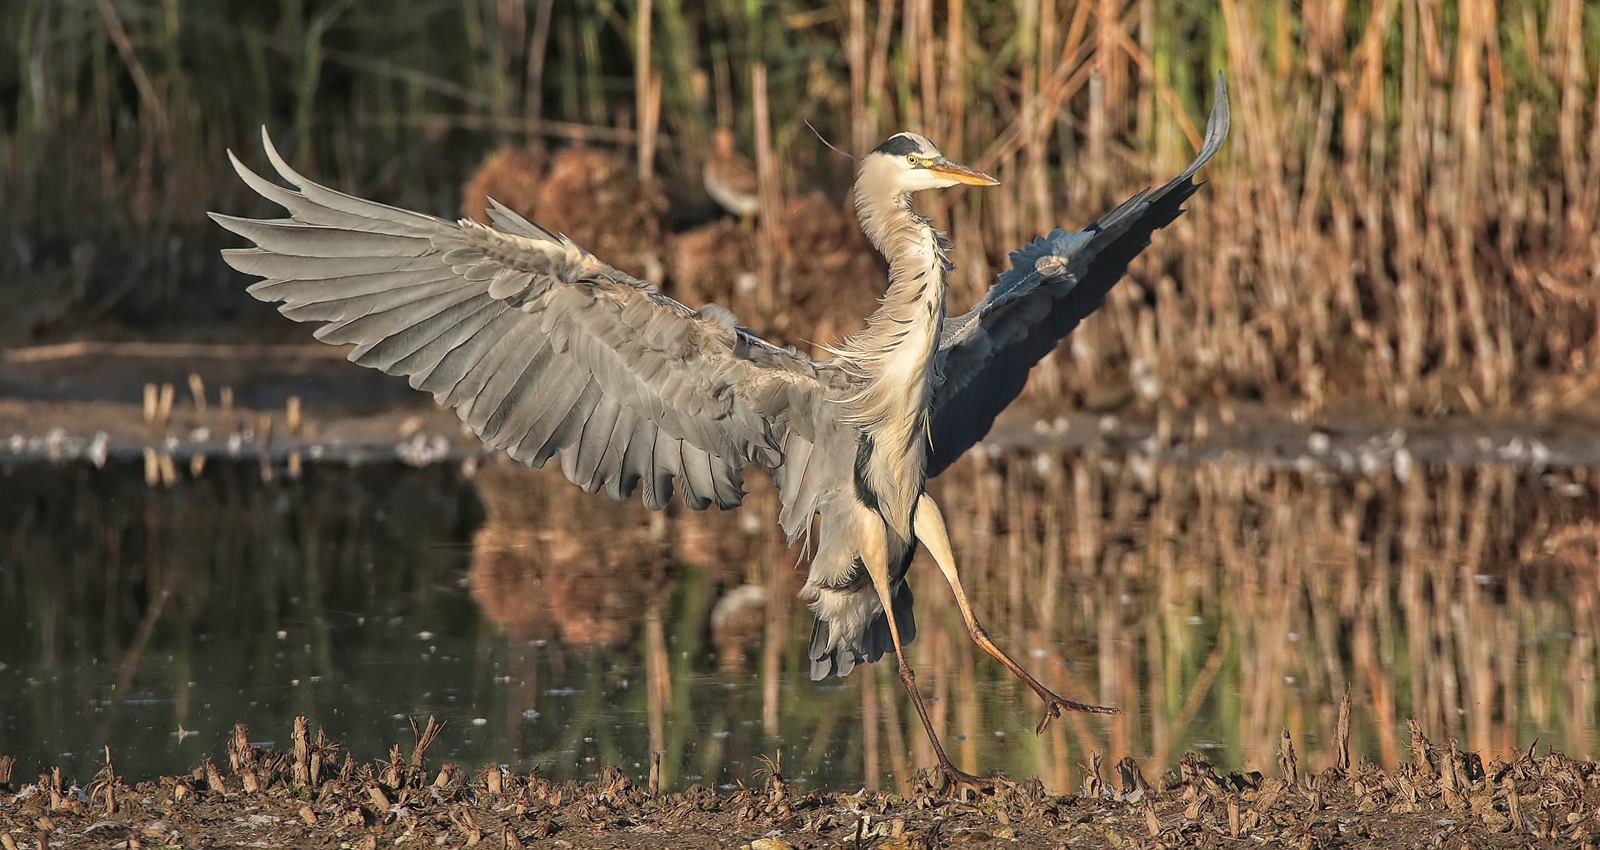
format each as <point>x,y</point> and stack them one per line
<point>1215,603</point>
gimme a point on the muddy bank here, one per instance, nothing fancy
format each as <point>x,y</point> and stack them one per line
<point>314,795</point>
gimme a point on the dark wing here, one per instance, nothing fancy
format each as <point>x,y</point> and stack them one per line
<point>539,346</point>
<point>1053,283</point>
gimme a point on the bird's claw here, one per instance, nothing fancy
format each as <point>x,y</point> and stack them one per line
<point>954,778</point>
<point>1054,704</point>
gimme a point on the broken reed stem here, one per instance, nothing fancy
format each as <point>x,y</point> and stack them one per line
<point>1093,784</point>
<point>302,752</point>
<point>1287,760</point>
<point>104,787</point>
<point>242,758</point>
<point>214,781</point>
<point>1341,734</point>
<point>425,739</point>
<point>1420,749</point>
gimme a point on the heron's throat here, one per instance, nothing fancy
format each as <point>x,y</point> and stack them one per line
<point>896,352</point>
<point>897,347</point>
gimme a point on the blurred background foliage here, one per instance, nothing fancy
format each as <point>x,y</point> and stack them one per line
<point>1405,213</point>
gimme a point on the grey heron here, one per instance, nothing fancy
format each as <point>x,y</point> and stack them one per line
<point>546,351</point>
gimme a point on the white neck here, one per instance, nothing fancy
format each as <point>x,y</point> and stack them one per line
<point>896,350</point>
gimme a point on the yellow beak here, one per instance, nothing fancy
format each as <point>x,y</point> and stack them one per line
<point>960,173</point>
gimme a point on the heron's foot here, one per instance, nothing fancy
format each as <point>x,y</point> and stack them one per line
<point>955,778</point>
<point>1054,705</point>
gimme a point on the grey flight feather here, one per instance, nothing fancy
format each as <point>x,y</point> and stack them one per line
<point>1053,283</point>
<point>539,346</point>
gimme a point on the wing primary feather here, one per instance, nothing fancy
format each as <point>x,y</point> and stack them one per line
<point>341,202</point>
<point>530,443</point>
<point>594,443</point>
<point>284,267</point>
<point>396,347</point>
<point>357,306</point>
<point>612,470</point>
<point>298,239</point>
<point>554,433</point>
<point>513,394</point>
<point>374,326</point>
<point>698,487</point>
<point>665,464</point>
<point>465,370</point>
<point>517,350</point>
<point>421,364</point>
<point>327,290</point>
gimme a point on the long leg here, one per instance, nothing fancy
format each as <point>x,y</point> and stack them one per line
<point>929,526</point>
<point>875,555</point>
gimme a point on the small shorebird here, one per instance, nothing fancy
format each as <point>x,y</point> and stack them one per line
<point>730,178</point>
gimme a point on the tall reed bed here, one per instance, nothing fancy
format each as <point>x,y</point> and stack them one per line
<point>1406,214</point>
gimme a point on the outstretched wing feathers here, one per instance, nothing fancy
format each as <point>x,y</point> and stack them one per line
<point>541,348</point>
<point>1053,283</point>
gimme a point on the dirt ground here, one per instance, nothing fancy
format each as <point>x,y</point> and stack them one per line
<point>1443,798</point>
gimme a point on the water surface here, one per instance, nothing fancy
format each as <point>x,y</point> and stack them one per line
<point>1215,603</point>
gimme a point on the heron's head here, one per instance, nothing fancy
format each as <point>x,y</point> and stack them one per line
<point>908,162</point>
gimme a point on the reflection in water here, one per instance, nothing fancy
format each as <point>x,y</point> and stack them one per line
<point>548,563</point>
<point>1214,603</point>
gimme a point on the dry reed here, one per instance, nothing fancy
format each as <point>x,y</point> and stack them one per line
<point>1405,216</point>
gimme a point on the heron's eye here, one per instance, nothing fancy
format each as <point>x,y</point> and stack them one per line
<point>911,158</point>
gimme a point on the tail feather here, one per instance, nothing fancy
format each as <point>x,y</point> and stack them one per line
<point>831,656</point>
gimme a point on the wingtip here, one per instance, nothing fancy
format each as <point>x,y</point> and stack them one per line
<point>231,223</point>
<point>1221,114</point>
<point>239,168</point>
<point>279,163</point>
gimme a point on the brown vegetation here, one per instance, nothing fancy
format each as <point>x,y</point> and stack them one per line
<point>308,798</point>
<point>1406,214</point>
<point>511,175</point>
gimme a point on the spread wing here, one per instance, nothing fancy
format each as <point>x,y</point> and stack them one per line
<point>540,347</point>
<point>1053,283</point>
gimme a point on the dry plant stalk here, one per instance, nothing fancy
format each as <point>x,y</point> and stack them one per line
<point>242,758</point>
<point>1341,735</point>
<point>425,738</point>
<point>1421,750</point>
<point>103,789</point>
<point>302,752</point>
<point>214,781</point>
<point>1287,759</point>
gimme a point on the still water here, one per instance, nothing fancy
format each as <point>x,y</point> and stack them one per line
<point>1214,603</point>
